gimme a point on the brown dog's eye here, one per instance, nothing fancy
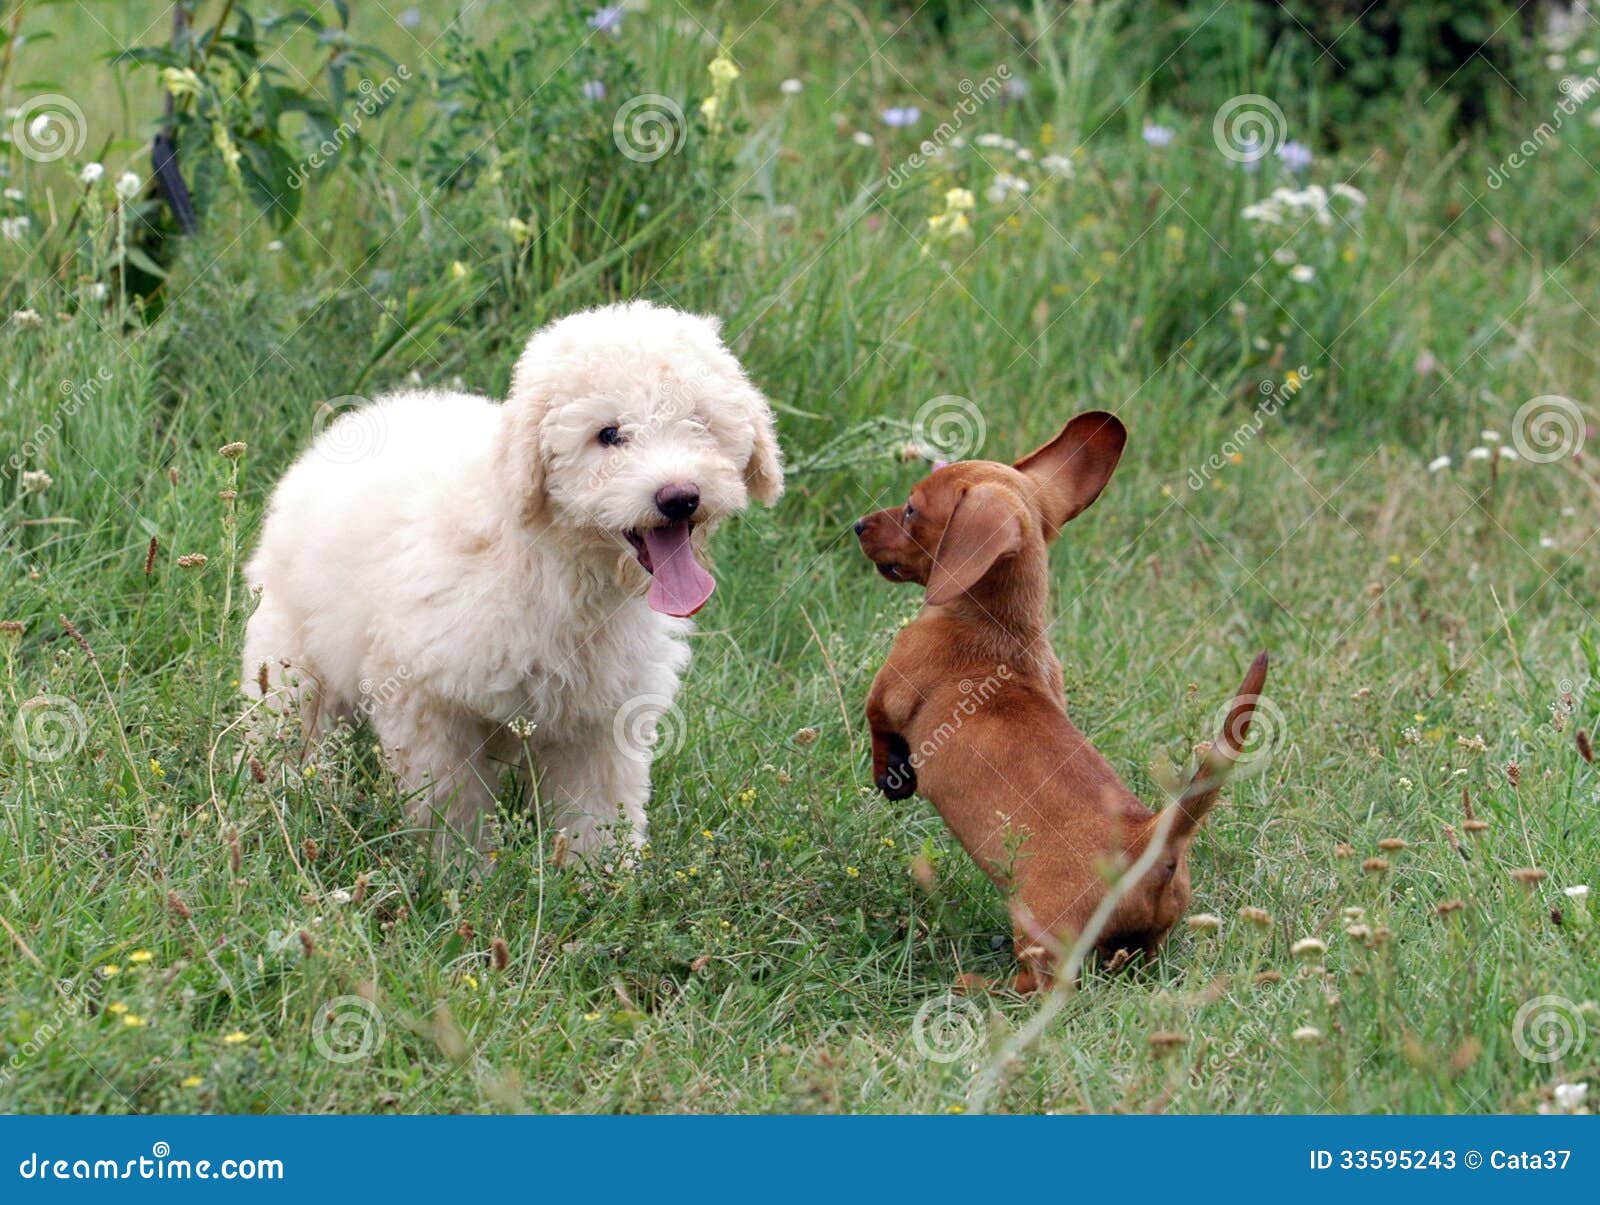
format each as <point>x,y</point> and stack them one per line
<point>609,437</point>
<point>910,510</point>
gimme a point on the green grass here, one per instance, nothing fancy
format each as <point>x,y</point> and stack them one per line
<point>1428,629</point>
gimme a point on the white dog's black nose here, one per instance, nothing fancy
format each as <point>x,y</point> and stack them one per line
<point>678,500</point>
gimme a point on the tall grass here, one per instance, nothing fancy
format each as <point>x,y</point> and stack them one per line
<point>182,936</point>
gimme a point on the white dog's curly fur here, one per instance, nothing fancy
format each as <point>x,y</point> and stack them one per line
<point>456,570</point>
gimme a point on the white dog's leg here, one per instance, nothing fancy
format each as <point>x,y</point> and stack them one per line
<point>590,787</point>
<point>441,758</point>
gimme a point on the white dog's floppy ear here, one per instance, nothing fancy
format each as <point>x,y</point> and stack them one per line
<point>763,472</point>
<point>519,458</point>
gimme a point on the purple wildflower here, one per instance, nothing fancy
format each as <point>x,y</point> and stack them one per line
<point>607,19</point>
<point>899,118</point>
<point>594,90</point>
<point>1156,135</point>
<point>1296,156</point>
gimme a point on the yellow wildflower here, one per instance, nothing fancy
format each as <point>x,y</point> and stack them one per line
<point>234,1038</point>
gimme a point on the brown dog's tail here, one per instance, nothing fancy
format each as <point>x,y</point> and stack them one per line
<point>1201,793</point>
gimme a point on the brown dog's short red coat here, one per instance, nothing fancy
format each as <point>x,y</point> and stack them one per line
<point>968,710</point>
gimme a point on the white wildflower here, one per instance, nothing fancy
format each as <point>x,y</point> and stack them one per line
<point>1570,1097</point>
<point>128,185</point>
<point>1438,463</point>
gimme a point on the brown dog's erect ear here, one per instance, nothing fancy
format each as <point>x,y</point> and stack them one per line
<point>1074,467</point>
<point>983,528</point>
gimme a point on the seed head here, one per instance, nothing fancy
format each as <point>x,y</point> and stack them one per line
<point>499,954</point>
<point>1391,844</point>
<point>1375,865</point>
<point>231,451</point>
<point>1259,917</point>
<point>1528,876</point>
<point>192,560</point>
<point>1309,947</point>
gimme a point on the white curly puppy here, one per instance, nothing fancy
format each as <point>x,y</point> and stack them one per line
<point>456,570</point>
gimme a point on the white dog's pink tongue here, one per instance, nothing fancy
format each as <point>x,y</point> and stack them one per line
<point>679,585</point>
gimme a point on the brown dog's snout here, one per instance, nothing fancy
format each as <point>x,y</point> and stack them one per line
<point>861,525</point>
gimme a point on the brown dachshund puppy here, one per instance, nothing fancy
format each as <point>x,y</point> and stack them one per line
<point>969,708</point>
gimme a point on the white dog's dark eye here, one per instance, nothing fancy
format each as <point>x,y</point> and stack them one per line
<point>609,437</point>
